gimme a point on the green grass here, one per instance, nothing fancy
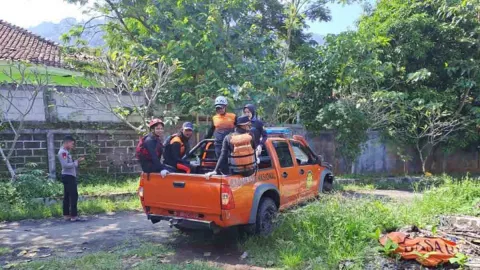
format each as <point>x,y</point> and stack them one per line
<point>147,256</point>
<point>337,229</point>
<point>4,250</point>
<point>123,186</point>
<point>366,183</point>
<point>38,211</point>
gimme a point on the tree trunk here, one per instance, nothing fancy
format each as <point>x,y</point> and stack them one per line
<point>422,159</point>
<point>7,162</point>
<point>423,165</point>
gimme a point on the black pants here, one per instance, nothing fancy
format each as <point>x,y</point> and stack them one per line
<point>70,195</point>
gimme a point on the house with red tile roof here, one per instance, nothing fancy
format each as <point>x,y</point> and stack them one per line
<point>18,44</point>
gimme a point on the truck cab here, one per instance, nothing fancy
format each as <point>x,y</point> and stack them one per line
<point>289,173</point>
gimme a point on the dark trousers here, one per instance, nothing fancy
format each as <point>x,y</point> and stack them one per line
<point>70,195</point>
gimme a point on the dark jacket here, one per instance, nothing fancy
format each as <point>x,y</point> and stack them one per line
<point>258,131</point>
<point>173,155</point>
<point>227,148</point>
<point>154,146</point>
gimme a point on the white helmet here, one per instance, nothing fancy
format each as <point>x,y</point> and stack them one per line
<point>221,100</point>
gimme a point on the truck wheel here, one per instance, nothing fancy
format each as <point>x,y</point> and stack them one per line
<point>327,184</point>
<point>267,212</point>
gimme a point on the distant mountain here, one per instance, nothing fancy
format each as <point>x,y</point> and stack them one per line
<point>53,31</point>
<point>318,38</point>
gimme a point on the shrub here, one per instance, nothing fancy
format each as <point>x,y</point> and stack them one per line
<point>34,183</point>
<point>8,193</point>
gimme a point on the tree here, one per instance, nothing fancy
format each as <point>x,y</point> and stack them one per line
<point>415,51</point>
<point>27,82</point>
<point>219,44</point>
<point>129,88</point>
<point>224,47</point>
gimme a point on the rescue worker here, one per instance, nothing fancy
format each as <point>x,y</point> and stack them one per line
<point>177,146</point>
<point>69,179</point>
<point>238,151</point>
<point>223,124</point>
<point>150,148</point>
<point>259,133</point>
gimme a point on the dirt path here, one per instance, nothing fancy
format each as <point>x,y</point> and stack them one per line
<point>61,239</point>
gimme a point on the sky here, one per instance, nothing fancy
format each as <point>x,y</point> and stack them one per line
<point>29,13</point>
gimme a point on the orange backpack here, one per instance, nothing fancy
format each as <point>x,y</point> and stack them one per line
<point>428,251</point>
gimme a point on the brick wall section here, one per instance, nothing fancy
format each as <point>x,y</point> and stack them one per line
<point>30,148</point>
<point>112,152</point>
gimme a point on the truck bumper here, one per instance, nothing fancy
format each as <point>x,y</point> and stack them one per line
<point>185,222</point>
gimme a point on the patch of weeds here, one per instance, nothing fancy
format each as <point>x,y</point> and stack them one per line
<point>100,260</point>
<point>352,187</point>
<point>19,211</point>
<point>336,230</point>
<point>455,196</point>
<point>5,250</point>
<point>148,250</point>
<point>123,185</point>
<point>291,260</point>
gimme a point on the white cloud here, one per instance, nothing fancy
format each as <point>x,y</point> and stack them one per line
<point>28,13</point>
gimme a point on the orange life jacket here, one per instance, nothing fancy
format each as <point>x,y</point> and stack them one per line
<point>224,125</point>
<point>242,158</point>
<point>428,251</point>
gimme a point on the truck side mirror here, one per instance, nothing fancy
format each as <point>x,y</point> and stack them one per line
<point>319,160</point>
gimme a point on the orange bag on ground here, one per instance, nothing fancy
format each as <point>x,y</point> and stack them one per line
<point>428,251</point>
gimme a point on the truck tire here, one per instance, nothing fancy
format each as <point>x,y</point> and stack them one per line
<point>327,184</point>
<point>266,214</point>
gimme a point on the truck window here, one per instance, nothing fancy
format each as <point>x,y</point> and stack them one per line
<point>283,153</point>
<point>265,160</point>
<point>301,153</point>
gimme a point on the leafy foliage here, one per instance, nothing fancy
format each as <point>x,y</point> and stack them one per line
<point>415,62</point>
<point>245,50</point>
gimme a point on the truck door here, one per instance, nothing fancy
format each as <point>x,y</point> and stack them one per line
<point>287,173</point>
<point>308,170</point>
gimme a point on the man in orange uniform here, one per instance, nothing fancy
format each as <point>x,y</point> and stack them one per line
<point>177,146</point>
<point>223,124</point>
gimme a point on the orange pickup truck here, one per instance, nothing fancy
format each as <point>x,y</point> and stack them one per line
<point>289,173</point>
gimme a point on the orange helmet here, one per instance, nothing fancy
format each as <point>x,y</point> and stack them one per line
<point>155,122</point>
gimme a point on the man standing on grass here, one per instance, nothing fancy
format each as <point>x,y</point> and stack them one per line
<point>69,179</point>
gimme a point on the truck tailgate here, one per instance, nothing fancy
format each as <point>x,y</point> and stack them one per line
<point>183,192</point>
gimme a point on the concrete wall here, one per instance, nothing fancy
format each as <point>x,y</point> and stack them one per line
<point>61,103</point>
<point>20,100</point>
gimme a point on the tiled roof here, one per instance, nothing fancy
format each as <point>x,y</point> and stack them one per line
<point>17,43</point>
